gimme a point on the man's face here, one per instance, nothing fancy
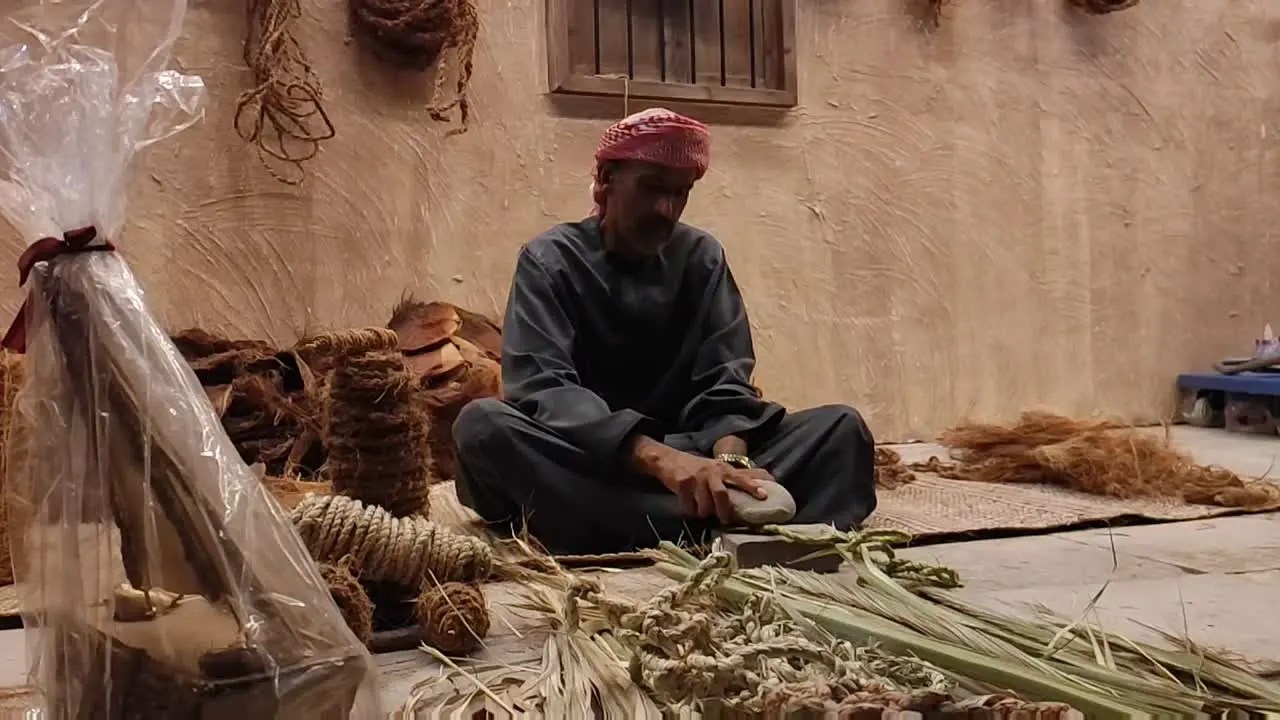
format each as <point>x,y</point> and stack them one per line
<point>644,203</point>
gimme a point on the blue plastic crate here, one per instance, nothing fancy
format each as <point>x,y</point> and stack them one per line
<point>1245,383</point>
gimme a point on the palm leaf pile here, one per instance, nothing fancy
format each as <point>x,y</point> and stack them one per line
<point>771,642</point>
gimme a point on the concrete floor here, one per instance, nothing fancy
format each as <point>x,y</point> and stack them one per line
<point>1213,581</point>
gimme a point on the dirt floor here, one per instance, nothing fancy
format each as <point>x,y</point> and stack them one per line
<point>1214,581</point>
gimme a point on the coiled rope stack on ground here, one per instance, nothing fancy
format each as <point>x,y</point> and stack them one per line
<point>377,434</point>
<point>408,551</point>
<point>415,34</point>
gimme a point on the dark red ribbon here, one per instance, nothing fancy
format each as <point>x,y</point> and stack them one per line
<point>44,250</point>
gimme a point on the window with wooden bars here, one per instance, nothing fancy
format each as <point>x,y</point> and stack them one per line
<point>725,52</point>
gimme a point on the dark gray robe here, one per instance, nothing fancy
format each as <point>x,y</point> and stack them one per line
<point>596,349</point>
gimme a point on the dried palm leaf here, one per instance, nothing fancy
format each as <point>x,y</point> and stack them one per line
<point>1102,675</point>
<point>578,670</point>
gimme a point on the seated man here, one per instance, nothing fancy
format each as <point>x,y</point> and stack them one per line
<point>626,368</point>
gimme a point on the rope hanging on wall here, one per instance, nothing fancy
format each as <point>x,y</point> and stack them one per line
<point>933,12</point>
<point>1102,7</point>
<point>282,114</point>
<point>417,34</point>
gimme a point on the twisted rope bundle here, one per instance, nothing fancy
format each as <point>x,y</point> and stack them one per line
<point>406,551</point>
<point>755,660</point>
<point>282,114</point>
<point>323,350</point>
<point>415,34</point>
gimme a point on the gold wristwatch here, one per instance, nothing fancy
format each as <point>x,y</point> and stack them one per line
<point>739,461</point>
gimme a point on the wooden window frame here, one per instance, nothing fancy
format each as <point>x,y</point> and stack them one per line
<point>564,80</point>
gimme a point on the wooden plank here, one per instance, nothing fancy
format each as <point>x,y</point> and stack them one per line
<point>581,37</point>
<point>648,90</point>
<point>787,50</point>
<point>559,60</point>
<point>706,42</point>
<point>613,38</point>
<point>388,641</point>
<point>768,28</point>
<point>738,26</point>
<point>648,62</point>
<point>678,47</point>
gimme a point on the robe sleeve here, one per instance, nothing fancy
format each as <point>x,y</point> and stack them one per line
<point>538,375</point>
<point>725,403</point>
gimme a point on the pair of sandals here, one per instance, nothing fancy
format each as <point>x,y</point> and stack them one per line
<point>1266,357</point>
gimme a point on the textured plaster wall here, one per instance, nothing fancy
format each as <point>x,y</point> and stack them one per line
<point>1022,208</point>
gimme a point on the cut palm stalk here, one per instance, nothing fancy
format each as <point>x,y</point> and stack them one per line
<point>866,628</point>
<point>1148,658</point>
<point>1148,671</point>
<point>930,624</point>
<point>944,619</point>
<point>944,626</point>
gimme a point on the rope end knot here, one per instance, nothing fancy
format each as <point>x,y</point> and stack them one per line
<point>46,249</point>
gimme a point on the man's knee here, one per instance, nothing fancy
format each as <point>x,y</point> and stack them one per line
<point>846,425</point>
<point>479,424</point>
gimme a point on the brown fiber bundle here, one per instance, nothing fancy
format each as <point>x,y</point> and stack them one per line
<point>350,597</point>
<point>268,400</point>
<point>269,412</point>
<point>376,434</point>
<point>453,617</point>
<point>283,113</point>
<point>1093,456</point>
<point>1102,7</point>
<point>414,34</point>
<point>12,448</point>
<point>890,472</point>
<point>197,343</point>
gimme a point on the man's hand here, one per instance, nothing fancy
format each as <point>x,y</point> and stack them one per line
<point>701,484</point>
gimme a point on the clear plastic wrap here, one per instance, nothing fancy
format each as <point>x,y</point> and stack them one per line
<point>157,576</point>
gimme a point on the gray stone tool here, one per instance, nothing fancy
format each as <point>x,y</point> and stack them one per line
<point>754,549</point>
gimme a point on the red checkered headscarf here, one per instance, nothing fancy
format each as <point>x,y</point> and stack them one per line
<point>656,135</point>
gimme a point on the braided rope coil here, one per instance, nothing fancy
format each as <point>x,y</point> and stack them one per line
<point>406,551</point>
